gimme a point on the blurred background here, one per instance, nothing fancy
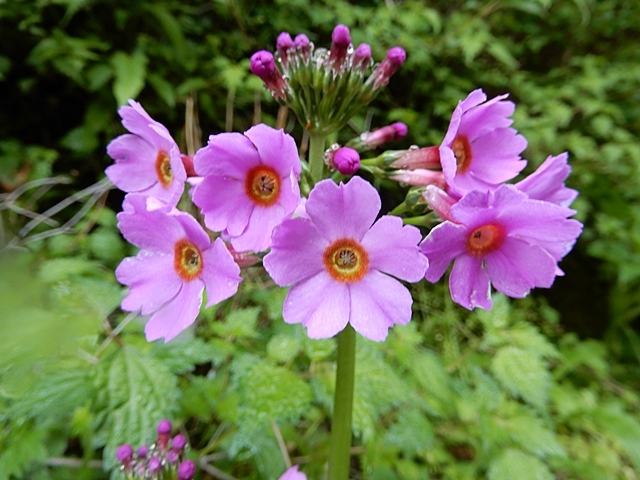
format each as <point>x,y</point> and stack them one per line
<point>540,388</point>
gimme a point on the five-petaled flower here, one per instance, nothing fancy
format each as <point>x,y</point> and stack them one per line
<point>293,474</point>
<point>340,263</point>
<point>177,261</point>
<point>147,159</point>
<point>479,150</point>
<point>250,184</point>
<point>499,237</point>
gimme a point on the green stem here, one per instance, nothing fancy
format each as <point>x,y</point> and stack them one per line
<point>316,152</point>
<point>340,447</point>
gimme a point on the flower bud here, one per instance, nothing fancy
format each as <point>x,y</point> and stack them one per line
<point>186,470</point>
<point>303,45</point>
<point>164,433</point>
<point>284,42</point>
<point>340,42</point>
<point>414,158</point>
<point>344,159</point>
<point>361,57</point>
<point>179,442</point>
<point>371,140</point>
<point>390,65</point>
<point>263,65</point>
<point>154,465</point>
<point>419,177</point>
<point>124,453</point>
<point>439,201</point>
<point>143,451</point>
<point>173,456</point>
<point>187,161</point>
<point>243,259</point>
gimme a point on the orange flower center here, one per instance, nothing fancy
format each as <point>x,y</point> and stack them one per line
<point>462,151</point>
<point>485,239</point>
<point>187,260</point>
<point>163,168</point>
<point>346,260</point>
<point>262,185</point>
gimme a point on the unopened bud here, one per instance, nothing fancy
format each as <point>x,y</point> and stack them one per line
<point>371,140</point>
<point>414,158</point>
<point>362,57</point>
<point>173,456</point>
<point>187,161</point>
<point>154,465</point>
<point>302,43</point>
<point>179,442</point>
<point>390,65</point>
<point>263,65</point>
<point>186,470</point>
<point>439,201</point>
<point>164,434</point>
<point>283,44</point>
<point>143,451</point>
<point>124,453</point>
<point>344,159</point>
<point>340,42</point>
<point>242,259</point>
<point>419,178</point>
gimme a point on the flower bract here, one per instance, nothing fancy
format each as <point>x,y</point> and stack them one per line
<point>340,264</point>
<point>250,184</point>
<point>177,261</point>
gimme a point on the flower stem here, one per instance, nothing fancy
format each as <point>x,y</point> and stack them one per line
<point>316,153</point>
<point>340,447</point>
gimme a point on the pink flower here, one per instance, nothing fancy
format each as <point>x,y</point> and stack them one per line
<point>147,159</point>
<point>177,261</point>
<point>547,182</point>
<point>250,184</point>
<point>339,263</point>
<point>293,474</point>
<point>503,238</point>
<point>479,151</point>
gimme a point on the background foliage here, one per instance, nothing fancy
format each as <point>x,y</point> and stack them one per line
<point>544,388</point>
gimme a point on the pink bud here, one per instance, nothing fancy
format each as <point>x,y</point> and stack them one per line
<point>419,177</point>
<point>439,201</point>
<point>340,41</point>
<point>124,453</point>
<point>345,159</point>
<point>186,470</point>
<point>179,442</point>
<point>283,44</point>
<point>187,161</point>
<point>390,65</point>
<point>164,433</point>
<point>427,157</point>
<point>383,135</point>
<point>362,57</point>
<point>155,464</point>
<point>263,65</point>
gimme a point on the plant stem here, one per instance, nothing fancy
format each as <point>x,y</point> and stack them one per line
<point>316,152</point>
<point>340,447</point>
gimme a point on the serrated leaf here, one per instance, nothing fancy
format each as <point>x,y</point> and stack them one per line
<point>21,447</point>
<point>624,427</point>
<point>429,372</point>
<point>239,324</point>
<point>531,435</point>
<point>140,391</point>
<point>62,268</point>
<point>283,347</point>
<point>129,71</point>
<point>182,356</point>
<point>514,464</point>
<point>412,433</point>
<point>523,374</point>
<point>266,392</point>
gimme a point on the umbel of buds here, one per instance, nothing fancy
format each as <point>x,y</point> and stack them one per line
<point>324,87</point>
<point>162,460</point>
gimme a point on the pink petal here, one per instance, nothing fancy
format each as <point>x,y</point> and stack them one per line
<point>154,231</point>
<point>393,249</point>
<point>345,210</point>
<point>489,116</point>
<point>496,155</point>
<point>152,279</point>
<point>224,203</point>
<point>320,303</point>
<point>296,252</point>
<point>444,243</point>
<point>293,474</point>
<point>517,267</point>
<point>276,149</point>
<point>193,231</point>
<point>469,283</point>
<point>228,155</point>
<point>221,275</point>
<point>177,315</point>
<point>257,235</point>
<point>135,158</point>
<point>378,302</point>
<point>547,182</point>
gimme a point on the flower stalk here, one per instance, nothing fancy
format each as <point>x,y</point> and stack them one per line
<point>340,445</point>
<point>317,142</point>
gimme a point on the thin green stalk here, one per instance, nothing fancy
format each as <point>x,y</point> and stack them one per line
<point>340,448</point>
<point>316,152</point>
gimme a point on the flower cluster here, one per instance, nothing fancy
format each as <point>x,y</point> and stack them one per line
<point>324,87</point>
<point>508,236</point>
<point>162,460</point>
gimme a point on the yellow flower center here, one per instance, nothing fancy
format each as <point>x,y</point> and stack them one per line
<point>462,151</point>
<point>485,239</point>
<point>163,168</point>
<point>187,260</point>
<point>346,260</point>
<point>262,185</point>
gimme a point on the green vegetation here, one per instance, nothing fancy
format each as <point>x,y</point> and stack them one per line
<point>541,388</point>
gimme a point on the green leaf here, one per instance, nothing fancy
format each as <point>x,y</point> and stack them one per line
<point>531,435</point>
<point>20,447</point>
<point>283,347</point>
<point>238,324</point>
<point>514,464</point>
<point>137,391</point>
<point>411,434</point>
<point>63,268</point>
<point>182,356</point>
<point>130,72</point>
<point>523,374</point>
<point>624,427</point>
